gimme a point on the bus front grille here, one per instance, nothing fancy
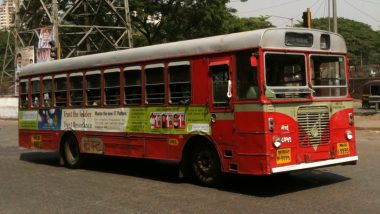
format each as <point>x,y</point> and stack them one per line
<point>313,125</point>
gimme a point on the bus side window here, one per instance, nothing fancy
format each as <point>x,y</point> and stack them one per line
<point>154,84</point>
<point>246,77</point>
<point>35,92</point>
<point>24,93</point>
<point>60,86</point>
<point>220,79</point>
<point>112,86</point>
<point>47,85</point>
<point>179,83</point>
<point>93,88</point>
<point>132,85</point>
<point>76,89</point>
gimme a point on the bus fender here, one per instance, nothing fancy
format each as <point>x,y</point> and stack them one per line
<point>191,142</point>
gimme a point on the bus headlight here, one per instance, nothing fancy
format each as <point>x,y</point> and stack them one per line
<point>276,142</point>
<point>349,135</point>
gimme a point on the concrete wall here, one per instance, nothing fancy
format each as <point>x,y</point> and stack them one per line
<point>8,107</point>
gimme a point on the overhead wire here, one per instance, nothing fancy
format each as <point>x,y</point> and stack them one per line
<point>271,7</point>
<point>361,11</point>
<point>300,15</point>
<point>317,10</point>
<point>371,2</point>
<point>294,17</point>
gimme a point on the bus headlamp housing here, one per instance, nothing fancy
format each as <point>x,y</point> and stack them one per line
<point>276,142</point>
<point>350,118</point>
<point>349,135</point>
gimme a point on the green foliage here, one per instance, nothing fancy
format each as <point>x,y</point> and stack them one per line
<point>160,21</point>
<point>3,44</point>
<point>245,24</point>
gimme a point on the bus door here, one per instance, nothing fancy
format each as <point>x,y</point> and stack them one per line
<point>220,100</point>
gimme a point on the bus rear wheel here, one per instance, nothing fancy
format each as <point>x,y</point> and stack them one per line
<point>206,166</point>
<point>71,153</point>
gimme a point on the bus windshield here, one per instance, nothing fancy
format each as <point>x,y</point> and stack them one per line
<point>328,76</point>
<point>285,75</point>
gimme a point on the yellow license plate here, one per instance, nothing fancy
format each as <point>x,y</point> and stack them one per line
<point>284,156</point>
<point>36,141</point>
<point>343,148</point>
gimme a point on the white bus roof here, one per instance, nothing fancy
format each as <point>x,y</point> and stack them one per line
<point>273,38</point>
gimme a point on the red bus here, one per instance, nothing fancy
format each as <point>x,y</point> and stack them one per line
<point>260,102</point>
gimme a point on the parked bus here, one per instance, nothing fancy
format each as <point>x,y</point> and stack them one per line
<point>260,102</point>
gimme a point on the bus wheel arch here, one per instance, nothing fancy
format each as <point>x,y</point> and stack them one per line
<point>70,150</point>
<point>201,160</point>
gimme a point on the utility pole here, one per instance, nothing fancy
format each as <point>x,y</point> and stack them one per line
<point>17,22</point>
<point>56,27</point>
<point>329,12</point>
<point>129,25</point>
<point>335,17</point>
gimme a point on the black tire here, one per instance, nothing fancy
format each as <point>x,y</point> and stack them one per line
<point>71,153</point>
<point>206,166</point>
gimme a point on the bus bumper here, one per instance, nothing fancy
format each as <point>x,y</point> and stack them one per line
<point>339,161</point>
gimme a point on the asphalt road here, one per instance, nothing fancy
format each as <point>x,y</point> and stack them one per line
<point>34,182</point>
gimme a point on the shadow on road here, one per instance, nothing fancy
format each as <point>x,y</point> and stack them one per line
<point>274,185</point>
<point>167,171</point>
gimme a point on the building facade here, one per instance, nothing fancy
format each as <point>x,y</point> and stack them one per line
<point>6,14</point>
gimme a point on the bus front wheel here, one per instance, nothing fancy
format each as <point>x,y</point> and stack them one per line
<point>206,166</point>
<point>71,153</point>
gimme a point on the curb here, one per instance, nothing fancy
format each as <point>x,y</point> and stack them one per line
<point>368,128</point>
<point>365,113</point>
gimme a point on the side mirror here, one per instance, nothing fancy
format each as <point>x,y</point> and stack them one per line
<point>253,61</point>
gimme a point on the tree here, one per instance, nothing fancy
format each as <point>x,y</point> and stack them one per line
<point>160,21</point>
<point>245,24</point>
<point>3,45</point>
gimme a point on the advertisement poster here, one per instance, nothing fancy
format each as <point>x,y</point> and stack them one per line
<point>43,51</point>
<point>49,119</point>
<point>172,120</point>
<point>43,55</point>
<point>28,120</point>
<point>107,120</point>
<point>24,57</point>
<point>46,35</point>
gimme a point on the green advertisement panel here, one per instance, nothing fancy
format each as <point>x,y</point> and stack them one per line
<point>169,120</point>
<point>28,120</point>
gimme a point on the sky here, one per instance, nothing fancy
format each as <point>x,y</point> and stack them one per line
<point>282,11</point>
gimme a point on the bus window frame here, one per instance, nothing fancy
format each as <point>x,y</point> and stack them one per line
<point>39,92</point>
<point>48,77</point>
<point>329,86</point>
<point>254,70</point>
<point>76,74</point>
<point>139,69</point>
<point>168,82</point>
<point>228,60</point>
<point>60,76</point>
<point>164,83</point>
<point>272,88</point>
<point>119,86</point>
<point>85,86</point>
<point>27,80</point>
